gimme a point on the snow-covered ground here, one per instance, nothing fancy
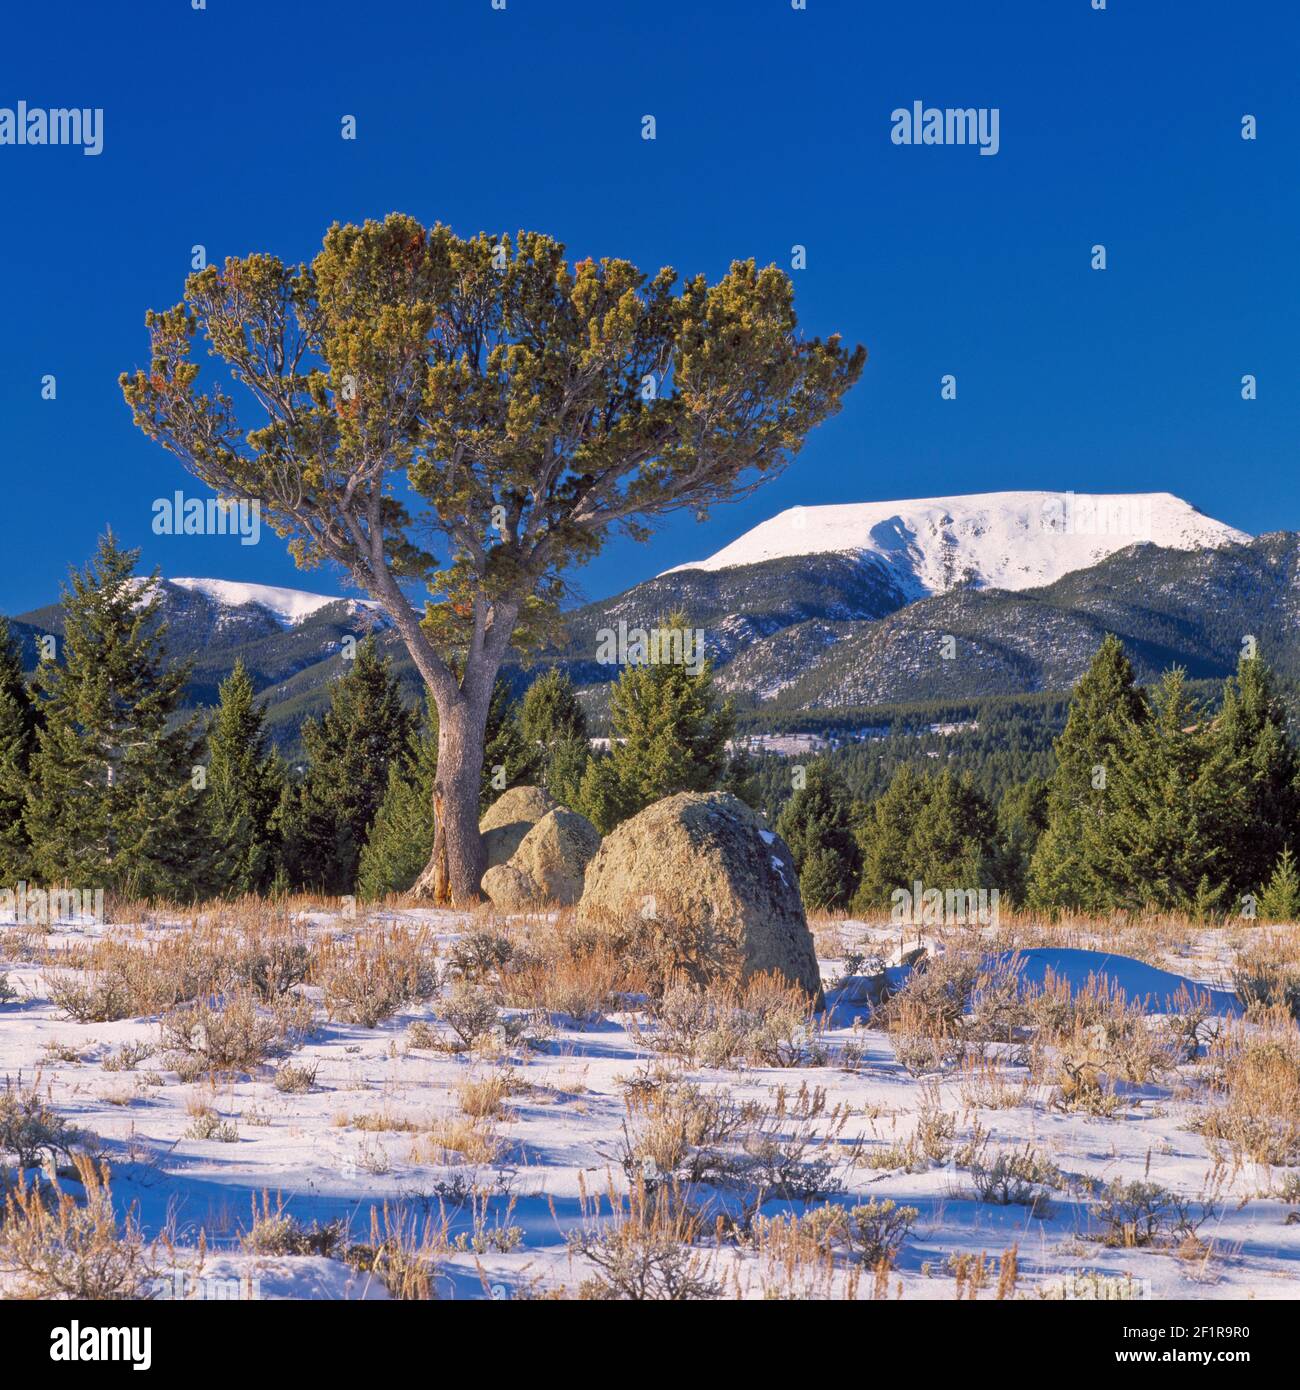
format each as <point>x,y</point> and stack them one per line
<point>353,1142</point>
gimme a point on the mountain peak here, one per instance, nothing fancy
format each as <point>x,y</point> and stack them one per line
<point>290,606</point>
<point>1002,540</point>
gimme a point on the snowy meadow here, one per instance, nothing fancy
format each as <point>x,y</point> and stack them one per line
<point>303,1100</point>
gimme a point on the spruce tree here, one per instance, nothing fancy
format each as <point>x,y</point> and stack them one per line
<point>244,786</point>
<point>1161,843</point>
<point>953,841</point>
<point>1256,761</point>
<point>669,734</point>
<point>17,743</point>
<point>400,838</point>
<point>817,824</point>
<point>1105,703</point>
<point>552,721</point>
<point>366,729</point>
<point>936,829</point>
<point>1022,818</point>
<point>884,834</point>
<point>112,801</point>
<point>1279,899</point>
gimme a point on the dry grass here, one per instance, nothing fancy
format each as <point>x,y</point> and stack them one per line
<point>1258,1075</point>
<point>372,975</point>
<point>56,1247</point>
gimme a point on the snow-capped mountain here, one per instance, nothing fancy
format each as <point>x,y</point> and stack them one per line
<point>1000,540</point>
<point>289,606</point>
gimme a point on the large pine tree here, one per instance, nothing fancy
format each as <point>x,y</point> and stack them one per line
<point>112,801</point>
<point>1162,842</point>
<point>17,743</point>
<point>244,786</point>
<point>326,818</point>
<point>1105,703</point>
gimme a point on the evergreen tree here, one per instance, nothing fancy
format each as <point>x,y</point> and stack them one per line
<point>1022,818</point>
<point>550,710</point>
<point>17,743</point>
<point>112,800</point>
<point>366,729</point>
<point>1256,759</point>
<point>398,845</point>
<point>1279,900</point>
<point>953,842</point>
<point>509,758</point>
<point>938,829</point>
<point>244,787</point>
<point>741,778</point>
<point>668,734</point>
<point>553,722</point>
<point>817,824</point>
<point>1161,843</point>
<point>884,834</point>
<point>1105,703</point>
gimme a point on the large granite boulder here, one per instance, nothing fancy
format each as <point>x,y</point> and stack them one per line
<point>548,866</point>
<point>703,865</point>
<point>509,818</point>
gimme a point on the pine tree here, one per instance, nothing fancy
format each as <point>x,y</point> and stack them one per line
<point>1161,843</point>
<point>884,834</point>
<point>552,721</point>
<point>550,710</point>
<point>1255,759</point>
<point>398,845</point>
<point>1279,900</point>
<point>953,842</point>
<point>366,729</point>
<point>938,830</point>
<point>668,734</point>
<point>1022,818</point>
<point>817,824</point>
<point>17,743</point>
<point>1105,703</point>
<point>509,758</point>
<point>244,786</point>
<point>112,801</point>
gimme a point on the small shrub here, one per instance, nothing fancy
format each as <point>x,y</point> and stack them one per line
<point>293,1080</point>
<point>469,1011</point>
<point>274,1232</point>
<point>65,1249</point>
<point>30,1128</point>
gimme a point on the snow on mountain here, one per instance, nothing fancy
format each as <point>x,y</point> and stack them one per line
<point>1002,540</point>
<point>290,606</point>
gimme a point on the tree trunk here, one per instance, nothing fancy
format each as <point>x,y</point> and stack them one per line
<point>458,860</point>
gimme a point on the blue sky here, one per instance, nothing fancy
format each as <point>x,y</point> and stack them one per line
<point>1121,126</point>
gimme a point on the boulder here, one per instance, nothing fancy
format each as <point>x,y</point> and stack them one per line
<point>510,889</point>
<point>509,818</point>
<point>702,867</point>
<point>554,854</point>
